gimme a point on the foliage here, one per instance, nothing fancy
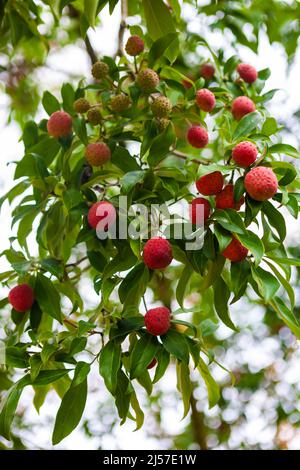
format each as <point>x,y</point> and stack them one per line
<point>52,341</point>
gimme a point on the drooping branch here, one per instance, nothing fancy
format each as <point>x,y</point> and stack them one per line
<point>74,13</point>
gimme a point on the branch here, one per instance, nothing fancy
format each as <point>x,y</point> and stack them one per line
<point>74,13</point>
<point>183,156</point>
<point>197,422</point>
<point>124,14</point>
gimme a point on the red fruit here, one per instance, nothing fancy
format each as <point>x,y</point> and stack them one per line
<point>197,136</point>
<point>152,363</point>
<point>21,297</point>
<point>207,71</point>
<point>244,154</point>
<point>157,320</point>
<point>102,211</point>
<point>210,184</point>
<point>206,100</point>
<point>247,72</point>
<point>59,124</point>
<point>97,153</point>
<point>241,106</point>
<point>235,251</point>
<point>225,199</point>
<point>199,210</point>
<point>134,45</point>
<point>157,253</point>
<point>261,183</point>
<point>186,84</point>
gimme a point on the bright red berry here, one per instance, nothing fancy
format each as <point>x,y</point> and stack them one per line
<point>261,183</point>
<point>59,124</point>
<point>157,320</point>
<point>210,184</point>
<point>247,72</point>
<point>244,154</point>
<point>207,71</point>
<point>21,297</point>
<point>97,153</point>
<point>102,211</point>
<point>199,210</point>
<point>241,106</point>
<point>205,99</point>
<point>235,251</point>
<point>225,199</point>
<point>157,253</point>
<point>197,136</point>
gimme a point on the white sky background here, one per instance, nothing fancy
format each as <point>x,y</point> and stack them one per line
<point>74,60</point>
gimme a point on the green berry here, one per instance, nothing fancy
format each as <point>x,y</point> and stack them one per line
<point>81,105</point>
<point>162,124</point>
<point>147,80</point>
<point>161,107</point>
<point>120,103</point>
<point>94,116</point>
<point>100,70</point>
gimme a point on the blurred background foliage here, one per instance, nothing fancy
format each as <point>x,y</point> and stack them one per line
<point>266,395</point>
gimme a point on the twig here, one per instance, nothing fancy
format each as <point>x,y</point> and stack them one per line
<point>77,262</point>
<point>124,14</point>
<point>184,156</point>
<point>74,13</point>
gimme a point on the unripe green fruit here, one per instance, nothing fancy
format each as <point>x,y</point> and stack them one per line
<point>100,70</point>
<point>120,103</point>
<point>81,105</point>
<point>162,124</point>
<point>59,189</point>
<point>161,107</point>
<point>94,116</point>
<point>147,80</point>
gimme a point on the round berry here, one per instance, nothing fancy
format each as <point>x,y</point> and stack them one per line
<point>134,46</point>
<point>199,210</point>
<point>247,72</point>
<point>157,321</point>
<point>244,154</point>
<point>241,106</point>
<point>235,251</point>
<point>161,107</point>
<point>210,184</point>
<point>157,253</point>
<point>205,99</point>
<point>81,105</point>
<point>94,116</point>
<point>97,153</point>
<point>197,136</point>
<point>59,124</point>
<point>147,80</point>
<point>207,71</point>
<point>99,211</point>
<point>21,297</point>
<point>120,103</point>
<point>225,199</point>
<point>100,70</point>
<point>261,183</point>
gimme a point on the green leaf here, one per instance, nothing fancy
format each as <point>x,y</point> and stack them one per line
<point>286,315</point>
<point>159,46</point>
<point>251,241</point>
<point>269,126</point>
<point>211,385</point>
<point>289,289</point>
<point>221,298</point>
<point>50,103</point>
<point>183,283</point>
<point>123,394</point>
<point>163,360</point>
<point>175,343</point>
<point>123,160</point>
<point>139,415</point>
<point>247,125</point>
<point>275,219</point>
<point>284,148</point>
<point>142,354</point>
<point>127,325</point>
<point>109,364</point>
<point>267,284</point>
<point>160,145</point>
<point>185,386</point>
<point>230,220</point>
<point>90,11</point>
<point>48,297</point>
<point>131,179</point>
<point>9,406</point>
<point>72,404</point>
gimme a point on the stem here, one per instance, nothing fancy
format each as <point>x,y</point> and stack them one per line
<point>197,422</point>
<point>184,156</point>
